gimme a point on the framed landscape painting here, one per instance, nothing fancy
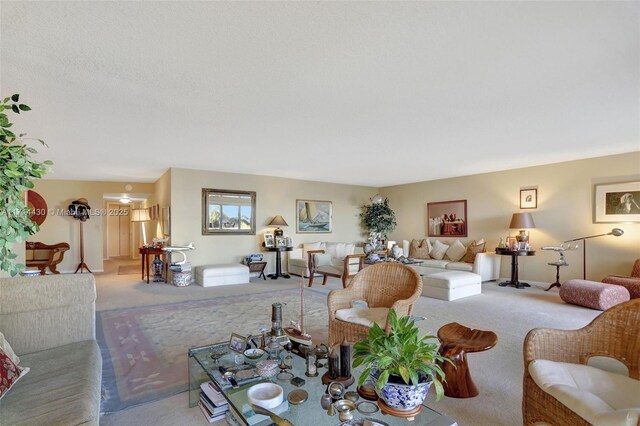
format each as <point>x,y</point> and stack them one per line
<point>617,202</point>
<point>313,216</point>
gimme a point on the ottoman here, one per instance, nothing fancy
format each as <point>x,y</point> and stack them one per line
<point>451,285</point>
<point>592,294</point>
<point>226,274</point>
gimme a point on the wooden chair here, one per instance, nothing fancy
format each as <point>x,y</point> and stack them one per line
<point>351,265</point>
<point>383,286</point>
<point>615,333</point>
<point>42,255</point>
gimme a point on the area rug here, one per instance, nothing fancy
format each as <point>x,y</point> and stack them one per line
<point>129,269</point>
<point>144,350</point>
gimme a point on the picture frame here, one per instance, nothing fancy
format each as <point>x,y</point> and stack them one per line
<point>268,240</point>
<point>314,217</point>
<point>616,202</point>
<point>447,218</point>
<point>529,198</point>
<point>281,242</point>
<point>166,221</point>
<point>237,343</point>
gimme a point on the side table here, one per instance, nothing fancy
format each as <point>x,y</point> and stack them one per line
<point>557,264</point>
<point>514,266</point>
<point>278,250</point>
<point>156,252</point>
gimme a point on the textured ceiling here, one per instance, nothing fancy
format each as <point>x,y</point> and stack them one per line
<point>351,92</point>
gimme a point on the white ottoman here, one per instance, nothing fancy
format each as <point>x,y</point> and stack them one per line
<point>227,274</point>
<point>452,285</point>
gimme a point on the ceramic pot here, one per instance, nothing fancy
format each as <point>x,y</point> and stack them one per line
<point>403,397</point>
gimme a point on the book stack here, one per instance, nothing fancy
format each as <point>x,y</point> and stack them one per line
<point>180,267</point>
<point>213,404</point>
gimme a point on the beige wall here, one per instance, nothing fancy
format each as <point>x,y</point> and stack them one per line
<point>62,228</point>
<point>565,211</point>
<point>273,196</point>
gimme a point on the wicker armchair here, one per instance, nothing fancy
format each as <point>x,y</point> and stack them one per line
<point>615,333</point>
<point>383,285</point>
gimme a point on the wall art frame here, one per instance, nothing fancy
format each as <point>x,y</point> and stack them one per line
<point>529,198</point>
<point>616,202</point>
<point>447,218</point>
<point>314,217</point>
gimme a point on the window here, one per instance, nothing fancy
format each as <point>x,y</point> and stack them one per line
<point>228,212</point>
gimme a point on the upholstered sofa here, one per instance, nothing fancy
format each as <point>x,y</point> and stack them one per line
<point>486,264</point>
<point>298,263</point>
<point>49,321</point>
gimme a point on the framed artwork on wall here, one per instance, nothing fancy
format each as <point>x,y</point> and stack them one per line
<point>617,202</point>
<point>447,218</point>
<point>166,221</point>
<point>313,216</point>
<point>528,198</point>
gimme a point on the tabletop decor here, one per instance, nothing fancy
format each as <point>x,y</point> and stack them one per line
<point>404,375</point>
<point>18,173</point>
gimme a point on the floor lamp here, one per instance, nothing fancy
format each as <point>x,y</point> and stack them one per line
<point>142,216</point>
<point>616,232</point>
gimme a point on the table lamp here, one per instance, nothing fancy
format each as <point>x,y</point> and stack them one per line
<point>141,215</point>
<point>522,221</point>
<point>278,221</point>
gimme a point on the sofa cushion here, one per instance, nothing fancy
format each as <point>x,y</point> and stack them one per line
<point>433,263</point>
<point>6,347</point>
<point>63,387</point>
<point>298,261</point>
<point>438,251</point>
<point>420,249</point>
<point>473,250</point>
<point>460,266</point>
<point>598,396</point>
<point>10,373</point>
<point>322,259</point>
<point>456,251</point>
<point>364,316</point>
<point>311,246</point>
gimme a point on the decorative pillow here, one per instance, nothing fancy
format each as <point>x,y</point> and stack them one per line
<point>310,246</point>
<point>419,249</point>
<point>438,251</point>
<point>321,259</point>
<point>6,347</point>
<point>456,251</point>
<point>344,249</point>
<point>473,249</point>
<point>10,373</point>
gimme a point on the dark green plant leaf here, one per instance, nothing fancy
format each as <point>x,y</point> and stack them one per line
<point>24,107</point>
<point>15,97</point>
<point>15,109</point>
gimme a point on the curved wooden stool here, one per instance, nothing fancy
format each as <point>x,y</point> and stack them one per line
<point>457,340</point>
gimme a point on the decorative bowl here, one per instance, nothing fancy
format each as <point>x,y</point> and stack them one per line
<point>253,354</point>
<point>267,368</point>
<point>266,395</point>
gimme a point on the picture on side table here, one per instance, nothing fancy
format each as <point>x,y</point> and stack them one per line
<point>313,216</point>
<point>528,198</point>
<point>237,343</point>
<point>617,202</point>
<point>268,240</point>
<point>281,242</point>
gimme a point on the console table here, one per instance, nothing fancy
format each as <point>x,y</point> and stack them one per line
<point>515,254</point>
<point>278,250</point>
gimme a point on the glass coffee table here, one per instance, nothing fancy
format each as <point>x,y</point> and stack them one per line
<point>203,368</point>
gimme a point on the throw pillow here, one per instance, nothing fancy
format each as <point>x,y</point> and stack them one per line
<point>439,250</point>
<point>419,249</point>
<point>10,373</point>
<point>456,251</point>
<point>473,249</point>
<point>6,347</point>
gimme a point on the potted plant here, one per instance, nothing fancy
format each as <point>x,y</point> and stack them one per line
<point>403,365</point>
<point>379,219</point>
<point>17,170</point>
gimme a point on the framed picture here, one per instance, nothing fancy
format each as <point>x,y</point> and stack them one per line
<point>166,221</point>
<point>528,198</point>
<point>268,240</point>
<point>512,243</point>
<point>281,242</point>
<point>313,217</point>
<point>617,202</point>
<point>447,218</point>
<point>237,343</point>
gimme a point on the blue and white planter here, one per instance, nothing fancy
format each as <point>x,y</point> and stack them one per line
<point>403,397</point>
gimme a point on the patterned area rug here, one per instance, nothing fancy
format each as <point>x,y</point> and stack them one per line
<point>129,269</point>
<point>144,350</point>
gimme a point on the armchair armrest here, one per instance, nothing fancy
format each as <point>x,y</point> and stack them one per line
<point>353,259</point>
<point>310,261</point>
<point>487,265</point>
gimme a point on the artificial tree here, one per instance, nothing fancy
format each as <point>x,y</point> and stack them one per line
<point>378,218</point>
<point>17,172</point>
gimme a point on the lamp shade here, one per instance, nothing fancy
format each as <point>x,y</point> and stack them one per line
<point>140,215</point>
<point>522,221</point>
<point>278,221</point>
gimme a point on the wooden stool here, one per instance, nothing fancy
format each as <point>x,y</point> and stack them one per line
<point>457,340</point>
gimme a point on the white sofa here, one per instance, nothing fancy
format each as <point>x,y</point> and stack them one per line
<point>486,264</point>
<point>298,263</point>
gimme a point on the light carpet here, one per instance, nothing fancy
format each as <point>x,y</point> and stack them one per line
<point>129,270</point>
<point>144,349</point>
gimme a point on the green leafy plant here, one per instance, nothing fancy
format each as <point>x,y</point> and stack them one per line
<point>379,217</point>
<point>17,172</point>
<point>400,354</point>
